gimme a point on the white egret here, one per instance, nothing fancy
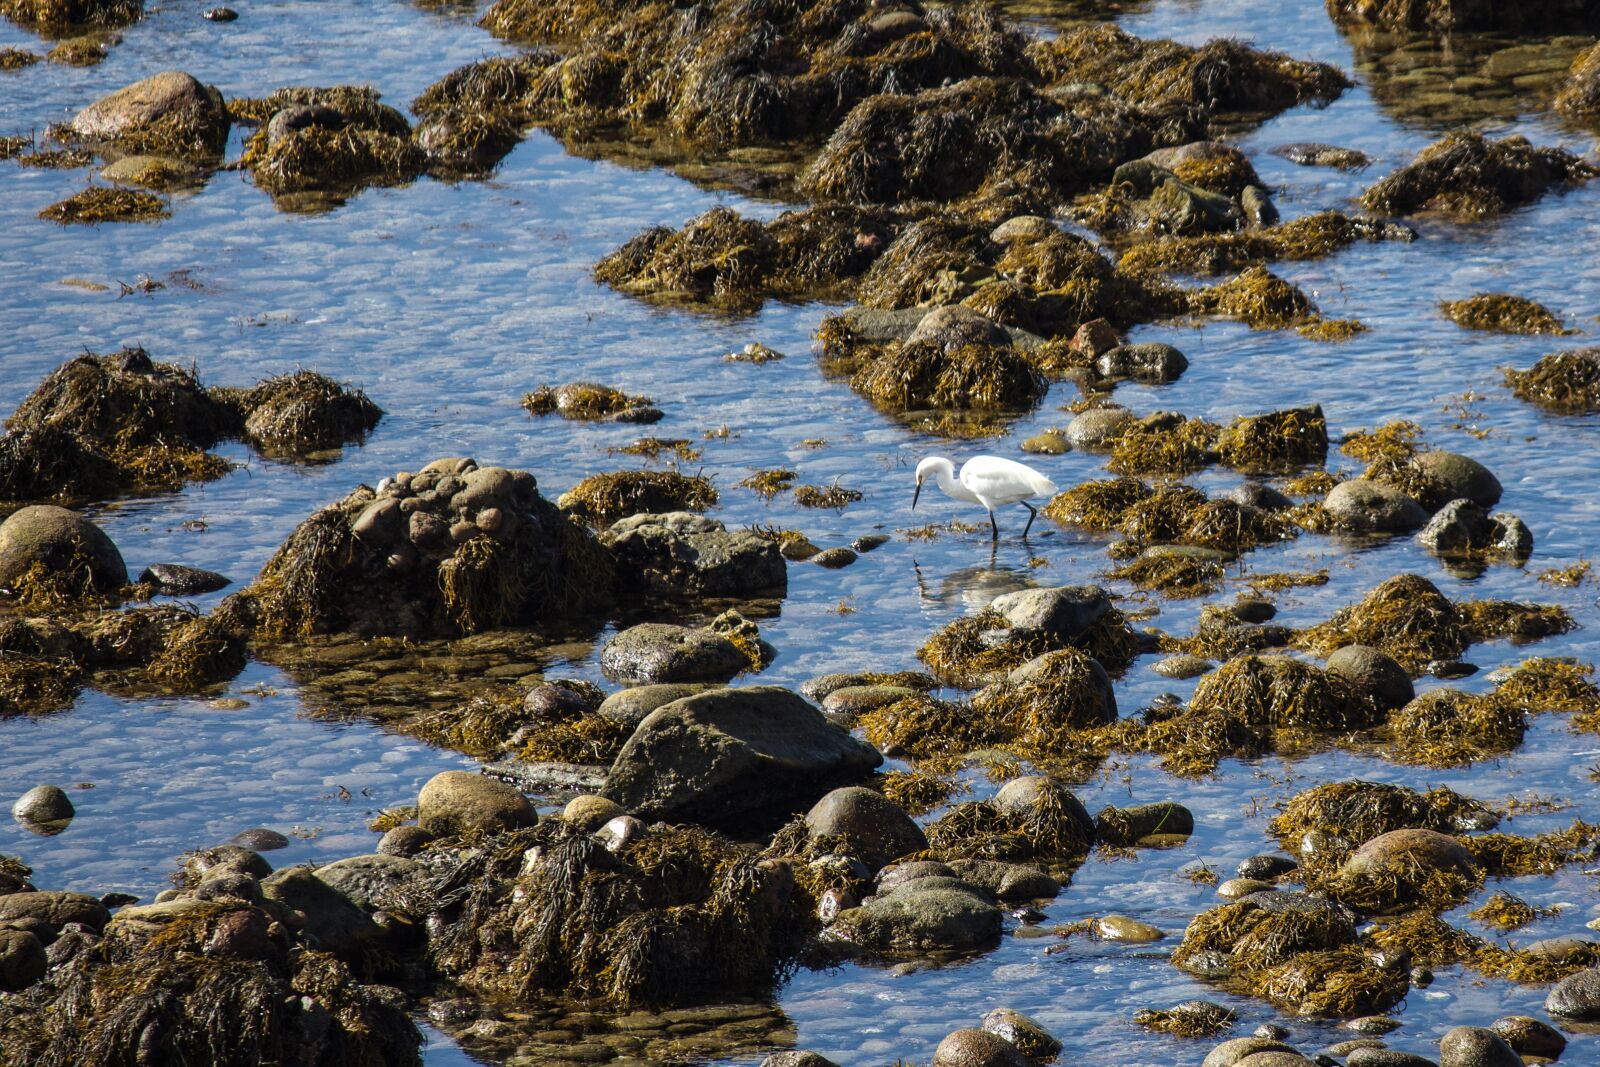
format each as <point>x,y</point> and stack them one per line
<point>987,480</point>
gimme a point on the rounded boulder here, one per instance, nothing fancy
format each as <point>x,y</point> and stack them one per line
<point>454,802</point>
<point>871,826</point>
<point>60,541</point>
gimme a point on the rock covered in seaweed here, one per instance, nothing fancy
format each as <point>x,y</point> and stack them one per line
<point>1469,176</point>
<point>330,141</point>
<point>1562,381</point>
<point>57,17</point>
<point>166,114</point>
<point>453,548</point>
<point>51,544</point>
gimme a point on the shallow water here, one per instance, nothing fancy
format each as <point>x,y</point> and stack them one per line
<point>447,302</point>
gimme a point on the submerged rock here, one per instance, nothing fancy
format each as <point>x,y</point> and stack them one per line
<point>654,653</point>
<point>921,915</point>
<point>1469,176</point>
<point>175,579</point>
<point>721,754</point>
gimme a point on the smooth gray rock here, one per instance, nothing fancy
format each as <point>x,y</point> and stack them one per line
<point>1096,429</point>
<point>43,803</point>
<point>1375,673</point>
<point>720,754</point>
<point>1364,506</point>
<point>657,652</point>
<point>1476,1046</point>
<point>1576,998</point>
<point>956,326</point>
<point>1462,475</point>
<point>1063,612</point>
<point>630,706</point>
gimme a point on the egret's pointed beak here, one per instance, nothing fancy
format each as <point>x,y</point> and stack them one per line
<point>915,495</point>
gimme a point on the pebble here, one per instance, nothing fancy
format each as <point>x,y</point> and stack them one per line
<point>221,14</point>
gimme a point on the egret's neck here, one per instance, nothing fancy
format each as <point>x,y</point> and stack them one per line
<point>953,488</point>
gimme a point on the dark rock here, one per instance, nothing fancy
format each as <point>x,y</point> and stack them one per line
<point>1476,1046</point>
<point>1006,881</point>
<point>1461,476</point>
<point>1576,998</point>
<point>1253,610</point>
<point>795,1058</point>
<point>1266,867</point>
<point>1126,826</point>
<point>61,542</point>
<point>455,802</point>
<point>1529,1036</point>
<point>834,558</point>
<point>1257,495</point>
<point>22,960</point>
<point>1150,362</point>
<point>719,754</point>
<point>174,579</point>
<point>630,706</point>
<point>332,921</point>
<point>1310,154</point>
<point>1458,528</point>
<point>867,825</point>
<point>259,839</point>
<point>923,915</point>
<point>220,14</point>
<point>684,555</point>
<point>1375,673</point>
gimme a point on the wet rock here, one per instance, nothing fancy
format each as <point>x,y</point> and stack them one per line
<point>220,14</point>
<point>1164,203</point>
<point>1374,673</point>
<point>1127,826</point>
<point>58,544</point>
<point>1012,882</point>
<point>658,652</point>
<point>1258,495</point>
<point>630,706</point>
<point>922,915</point>
<point>1063,613</point>
<point>844,706</point>
<point>43,804</point>
<point>333,922</point>
<point>1253,610</point>
<point>1061,689</point>
<point>1364,506</point>
<point>371,882</point>
<point>977,1048</point>
<point>590,812</point>
<point>1386,1057</point>
<point>471,144</point>
<point>1372,1024</point>
<point>54,908</point>
<point>1575,998</point>
<point>898,874</point>
<point>866,825</point>
<point>1529,1036</point>
<point>1030,1038</point>
<point>1266,867</point>
<point>1032,795</point>
<point>1097,429</point>
<point>834,558</point>
<point>1311,154</point>
<point>259,839</point>
<point>403,841</point>
<point>1461,475</point>
<point>1476,1046</point>
<point>1257,208</point>
<point>174,579</point>
<point>1150,362</point>
<point>1182,666</point>
<point>869,542</point>
<point>228,884</point>
<point>1407,851</point>
<point>797,1059</point>
<point>170,113</point>
<point>684,555</point>
<point>719,754</point>
<point>1123,928</point>
<point>1238,888</point>
<point>1461,527</point>
<point>198,865</point>
<point>455,802</point>
<point>22,960</point>
<point>1231,1053</point>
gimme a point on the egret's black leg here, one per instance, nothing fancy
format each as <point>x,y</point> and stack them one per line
<point>1033,513</point>
<point>994,526</point>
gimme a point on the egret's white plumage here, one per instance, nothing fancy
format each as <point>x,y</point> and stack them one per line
<point>987,480</point>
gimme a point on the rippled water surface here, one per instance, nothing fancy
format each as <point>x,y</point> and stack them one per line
<point>447,302</point>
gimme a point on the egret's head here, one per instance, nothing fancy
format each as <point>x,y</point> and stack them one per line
<point>928,468</point>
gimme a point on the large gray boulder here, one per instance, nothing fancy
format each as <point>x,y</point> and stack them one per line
<point>61,542</point>
<point>172,113</point>
<point>1364,506</point>
<point>681,554</point>
<point>717,755</point>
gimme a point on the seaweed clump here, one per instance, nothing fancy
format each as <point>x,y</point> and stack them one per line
<point>1405,616</point>
<point>1278,691</point>
<point>202,982</point>
<point>1580,93</point>
<point>332,142</point>
<point>1561,381</point>
<point>55,16</point>
<point>1503,313</point>
<point>677,915</point>
<point>480,549</point>
<point>602,499</point>
<point>1263,301</point>
<point>588,401</point>
<point>302,412</point>
<point>1451,728</point>
<point>975,649</point>
<point>1310,237</point>
<point>1469,176</point>
<point>1357,811</point>
<point>100,203</point>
